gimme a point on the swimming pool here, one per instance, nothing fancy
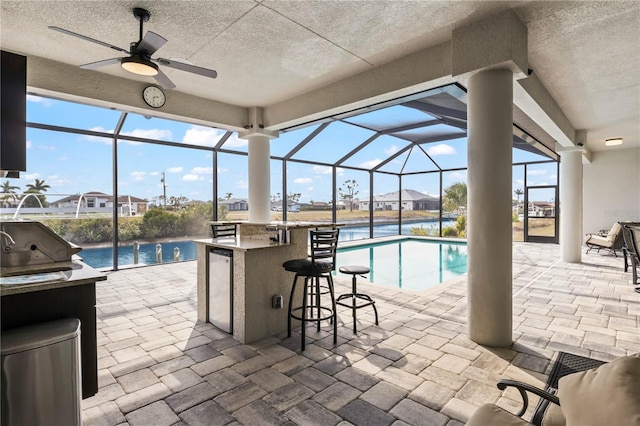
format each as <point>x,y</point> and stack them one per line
<point>409,263</point>
<point>102,257</point>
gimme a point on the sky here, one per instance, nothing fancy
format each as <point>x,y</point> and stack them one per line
<point>75,164</point>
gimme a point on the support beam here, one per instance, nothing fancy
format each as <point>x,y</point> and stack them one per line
<point>259,179</point>
<point>50,78</point>
<point>571,205</point>
<point>489,234</point>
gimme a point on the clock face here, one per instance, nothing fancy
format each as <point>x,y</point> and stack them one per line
<point>153,96</point>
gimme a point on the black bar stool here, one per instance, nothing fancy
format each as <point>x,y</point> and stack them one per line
<point>319,265</point>
<point>354,296</point>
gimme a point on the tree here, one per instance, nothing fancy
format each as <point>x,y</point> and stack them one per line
<point>348,191</point>
<point>177,202</point>
<point>293,198</point>
<point>455,198</point>
<point>228,195</point>
<point>38,187</point>
<point>8,192</point>
<point>518,193</point>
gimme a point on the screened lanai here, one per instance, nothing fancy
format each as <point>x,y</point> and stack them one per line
<point>388,169</point>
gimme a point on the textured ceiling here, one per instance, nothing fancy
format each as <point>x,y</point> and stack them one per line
<point>586,54</point>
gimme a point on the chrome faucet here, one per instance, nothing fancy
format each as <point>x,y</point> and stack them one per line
<point>8,239</point>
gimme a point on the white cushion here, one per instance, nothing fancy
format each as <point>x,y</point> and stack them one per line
<point>608,395</point>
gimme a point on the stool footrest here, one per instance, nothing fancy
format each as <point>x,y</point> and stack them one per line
<point>353,297</point>
<point>310,315</point>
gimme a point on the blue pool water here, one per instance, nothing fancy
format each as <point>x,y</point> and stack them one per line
<point>413,264</point>
<point>103,257</point>
<point>351,233</point>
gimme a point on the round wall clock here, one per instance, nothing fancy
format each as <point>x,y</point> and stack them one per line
<point>154,96</point>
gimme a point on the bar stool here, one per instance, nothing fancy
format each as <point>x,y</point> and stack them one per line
<point>354,295</point>
<point>319,265</point>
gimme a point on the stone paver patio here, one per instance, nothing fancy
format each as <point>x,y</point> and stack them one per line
<point>159,366</point>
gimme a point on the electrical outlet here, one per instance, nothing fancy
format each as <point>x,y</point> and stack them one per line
<point>276,302</point>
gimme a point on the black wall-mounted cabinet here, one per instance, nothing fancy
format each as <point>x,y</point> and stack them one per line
<point>13,121</point>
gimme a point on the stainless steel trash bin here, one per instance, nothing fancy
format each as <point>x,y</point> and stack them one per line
<point>41,381</point>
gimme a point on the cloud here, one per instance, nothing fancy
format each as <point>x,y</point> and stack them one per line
<point>310,189</point>
<point>303,180</point>
<point>31,176</point>
<point>370,164</point>
<point>191,178</point>
<point>38,100</point>
<point>536,172</point>
<point>456,177</point>
<point>157,134</point>
<point>46,147</point>
<point>175,169</point>
<point>322,170</point>
<point>391,150</point>
<point>222,170</point>
<point>234,142</point>
<point>149,134</point>
<point>154,173</point>
<point>202,170</point>
<point>138,175</point>
<point>100,129</point>
<point>202,136</point>
<point>29,144</point>
<point>242,184</point>
<point>441,149</point>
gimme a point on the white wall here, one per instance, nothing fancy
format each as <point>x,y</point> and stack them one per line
<point>611,189</point>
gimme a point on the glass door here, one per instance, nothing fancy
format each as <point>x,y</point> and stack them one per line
<point>541,216</point>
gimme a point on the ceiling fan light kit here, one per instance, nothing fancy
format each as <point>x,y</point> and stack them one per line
<point>139,65</point>
<point>139,60</point>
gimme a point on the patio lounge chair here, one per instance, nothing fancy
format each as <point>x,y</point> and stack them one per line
<point>606,395</point>
<point>630,236</point>
<point>610,241</point>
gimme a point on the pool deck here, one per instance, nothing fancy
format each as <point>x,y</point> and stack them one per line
<point>159,366</point>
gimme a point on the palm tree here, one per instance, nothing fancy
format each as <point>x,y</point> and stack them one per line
<point>9,192</point>
<point>455,197</point>
<point>38,187</point>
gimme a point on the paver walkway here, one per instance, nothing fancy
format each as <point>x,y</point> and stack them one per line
<point>159,366</point>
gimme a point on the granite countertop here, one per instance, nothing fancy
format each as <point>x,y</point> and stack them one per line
<point>284,224</point>
<point>63,274</point>
<point>240,244</point>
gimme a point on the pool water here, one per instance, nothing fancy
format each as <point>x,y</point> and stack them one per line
<point>414,264</point>
<point>103,257</point>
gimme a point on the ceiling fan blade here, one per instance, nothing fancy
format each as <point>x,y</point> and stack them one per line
<point>103,63</point>
<point>151,42</point>
<point>187,67</point>
<point>164,81</point>
<point>93,40</point>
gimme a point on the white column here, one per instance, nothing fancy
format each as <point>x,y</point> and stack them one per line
<point>259,179</point>
<point>571,206</point>
<point>489,234</point>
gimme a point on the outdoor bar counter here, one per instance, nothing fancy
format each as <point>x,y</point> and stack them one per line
<point>257,275</point>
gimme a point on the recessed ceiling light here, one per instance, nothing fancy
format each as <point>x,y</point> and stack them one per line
<point>613,141</point>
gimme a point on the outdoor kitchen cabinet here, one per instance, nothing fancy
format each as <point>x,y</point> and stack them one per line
<point>70,298</point>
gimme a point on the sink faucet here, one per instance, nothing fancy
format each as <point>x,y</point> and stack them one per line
<point>8,239</point>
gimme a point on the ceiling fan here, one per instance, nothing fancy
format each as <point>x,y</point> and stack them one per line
<point>139,60</point>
